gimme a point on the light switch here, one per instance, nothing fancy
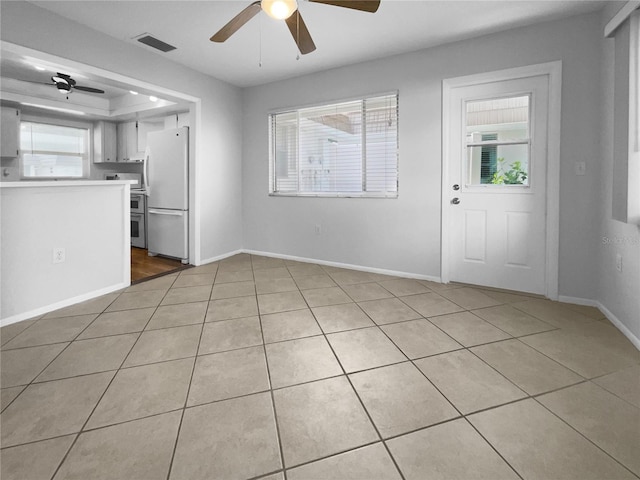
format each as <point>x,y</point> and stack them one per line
<point>581,168</point>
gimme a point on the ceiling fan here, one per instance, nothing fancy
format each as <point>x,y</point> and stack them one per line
<point>287,10</point>
<point>65,84</point>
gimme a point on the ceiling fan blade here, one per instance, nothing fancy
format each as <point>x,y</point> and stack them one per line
<point>236,22</point>
<point>362,5</point>
<point>300,33</point>
<point>35,83</point>
<point>88,89</point>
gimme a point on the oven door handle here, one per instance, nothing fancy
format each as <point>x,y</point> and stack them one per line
<point>166,212</point>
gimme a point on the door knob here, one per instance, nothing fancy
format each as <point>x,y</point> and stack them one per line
<point>455,201</point>
<point>456,187</point>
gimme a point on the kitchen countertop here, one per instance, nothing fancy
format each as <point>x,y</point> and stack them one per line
<point>67,183</point>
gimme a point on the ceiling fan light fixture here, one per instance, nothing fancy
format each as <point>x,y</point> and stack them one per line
<point>59,80</point>
<point>279,9</point>
<point>63,88</point>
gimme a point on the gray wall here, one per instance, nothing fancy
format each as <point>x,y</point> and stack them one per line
<point>619,292</point>
<point>218,144</point>
<point>404,234</point>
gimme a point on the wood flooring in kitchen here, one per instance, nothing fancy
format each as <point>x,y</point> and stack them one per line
<point>144,267</point>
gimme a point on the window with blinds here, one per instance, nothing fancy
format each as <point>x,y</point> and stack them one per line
<point>343,149</point>
<point>54,151</point>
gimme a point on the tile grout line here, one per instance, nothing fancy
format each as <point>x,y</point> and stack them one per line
<point>273,400</point>
<point>353,389</point>
<point>182,411</point>
<point>35,319</point>
<point>462,415</point>
<point>584,436</point>
<point>193,369</point>
<point>537,351</point>
<point>32,382</point>
<point>347,375</point>
<point>445,333</point>
<point>64,458</point>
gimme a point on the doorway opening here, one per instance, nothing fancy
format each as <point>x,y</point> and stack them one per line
<point>144,267</point>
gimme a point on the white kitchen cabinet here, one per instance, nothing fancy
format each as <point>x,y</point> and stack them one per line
<point>104,142</point>
<point>132,139</point>
<point>144,127</point>
<point>128,142</point>
<point>10,146</point>
<point>177,120</point>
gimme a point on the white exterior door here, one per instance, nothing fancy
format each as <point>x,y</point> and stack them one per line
<point>497,170</point>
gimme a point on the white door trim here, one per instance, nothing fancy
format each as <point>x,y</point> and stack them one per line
<point>554,71</point>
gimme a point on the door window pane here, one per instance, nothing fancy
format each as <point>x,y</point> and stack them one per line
<point>498,141</point>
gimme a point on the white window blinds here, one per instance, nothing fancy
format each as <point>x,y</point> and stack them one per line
<point>53,150</point>
<point>344,149</point>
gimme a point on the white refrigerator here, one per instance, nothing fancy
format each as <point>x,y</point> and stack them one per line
<point>167,187</point>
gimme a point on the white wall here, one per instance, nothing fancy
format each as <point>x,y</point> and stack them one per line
<point>219,129</point>
<point>404,234</point>
<point>618,292</point>
<point>90,222</point>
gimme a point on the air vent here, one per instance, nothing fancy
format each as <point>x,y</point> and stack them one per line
<point>155,43</point>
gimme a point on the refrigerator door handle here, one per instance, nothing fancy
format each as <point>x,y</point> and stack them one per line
<point>166,212</point>
<point>145,170</point>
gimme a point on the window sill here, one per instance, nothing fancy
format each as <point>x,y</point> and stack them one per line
<point>334,195</point>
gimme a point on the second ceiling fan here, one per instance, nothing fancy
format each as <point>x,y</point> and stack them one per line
<point>287,10</point>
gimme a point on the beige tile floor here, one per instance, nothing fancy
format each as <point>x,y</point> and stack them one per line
<point>263,368</point>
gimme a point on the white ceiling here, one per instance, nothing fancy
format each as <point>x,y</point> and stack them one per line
<point>342,36</point>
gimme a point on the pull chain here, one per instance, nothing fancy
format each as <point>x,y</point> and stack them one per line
<point>298,34</point>
<point>260,43</point>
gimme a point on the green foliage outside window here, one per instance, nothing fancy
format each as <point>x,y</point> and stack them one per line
<point>516,175</point>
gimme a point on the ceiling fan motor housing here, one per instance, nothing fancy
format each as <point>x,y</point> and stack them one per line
<point>279,9</point>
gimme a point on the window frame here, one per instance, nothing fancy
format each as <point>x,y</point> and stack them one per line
<point>624,29</point>
<point>272,192</point>
<point>61,122</point>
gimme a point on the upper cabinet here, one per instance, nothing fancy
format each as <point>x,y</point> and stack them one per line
<point>144,128</point>
<point>128,142</point>
<point>10,144</point>
<point>177,120</point>
<point>104,142</point>
<point>132,139</point>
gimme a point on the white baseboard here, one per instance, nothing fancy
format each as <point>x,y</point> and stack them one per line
<point>349,266</point>
<point>619,325</point>
<point>577,301</point>
<point>64,303</point>
<point>220,257</point>
<point>607,313</point>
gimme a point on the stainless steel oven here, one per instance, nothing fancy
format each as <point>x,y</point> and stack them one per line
<point>138,220</point>
<point>138,202</point>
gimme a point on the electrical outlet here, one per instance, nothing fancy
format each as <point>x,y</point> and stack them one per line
<point>58,255</point>
<point>618,262</point>
<point>318,229</point>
